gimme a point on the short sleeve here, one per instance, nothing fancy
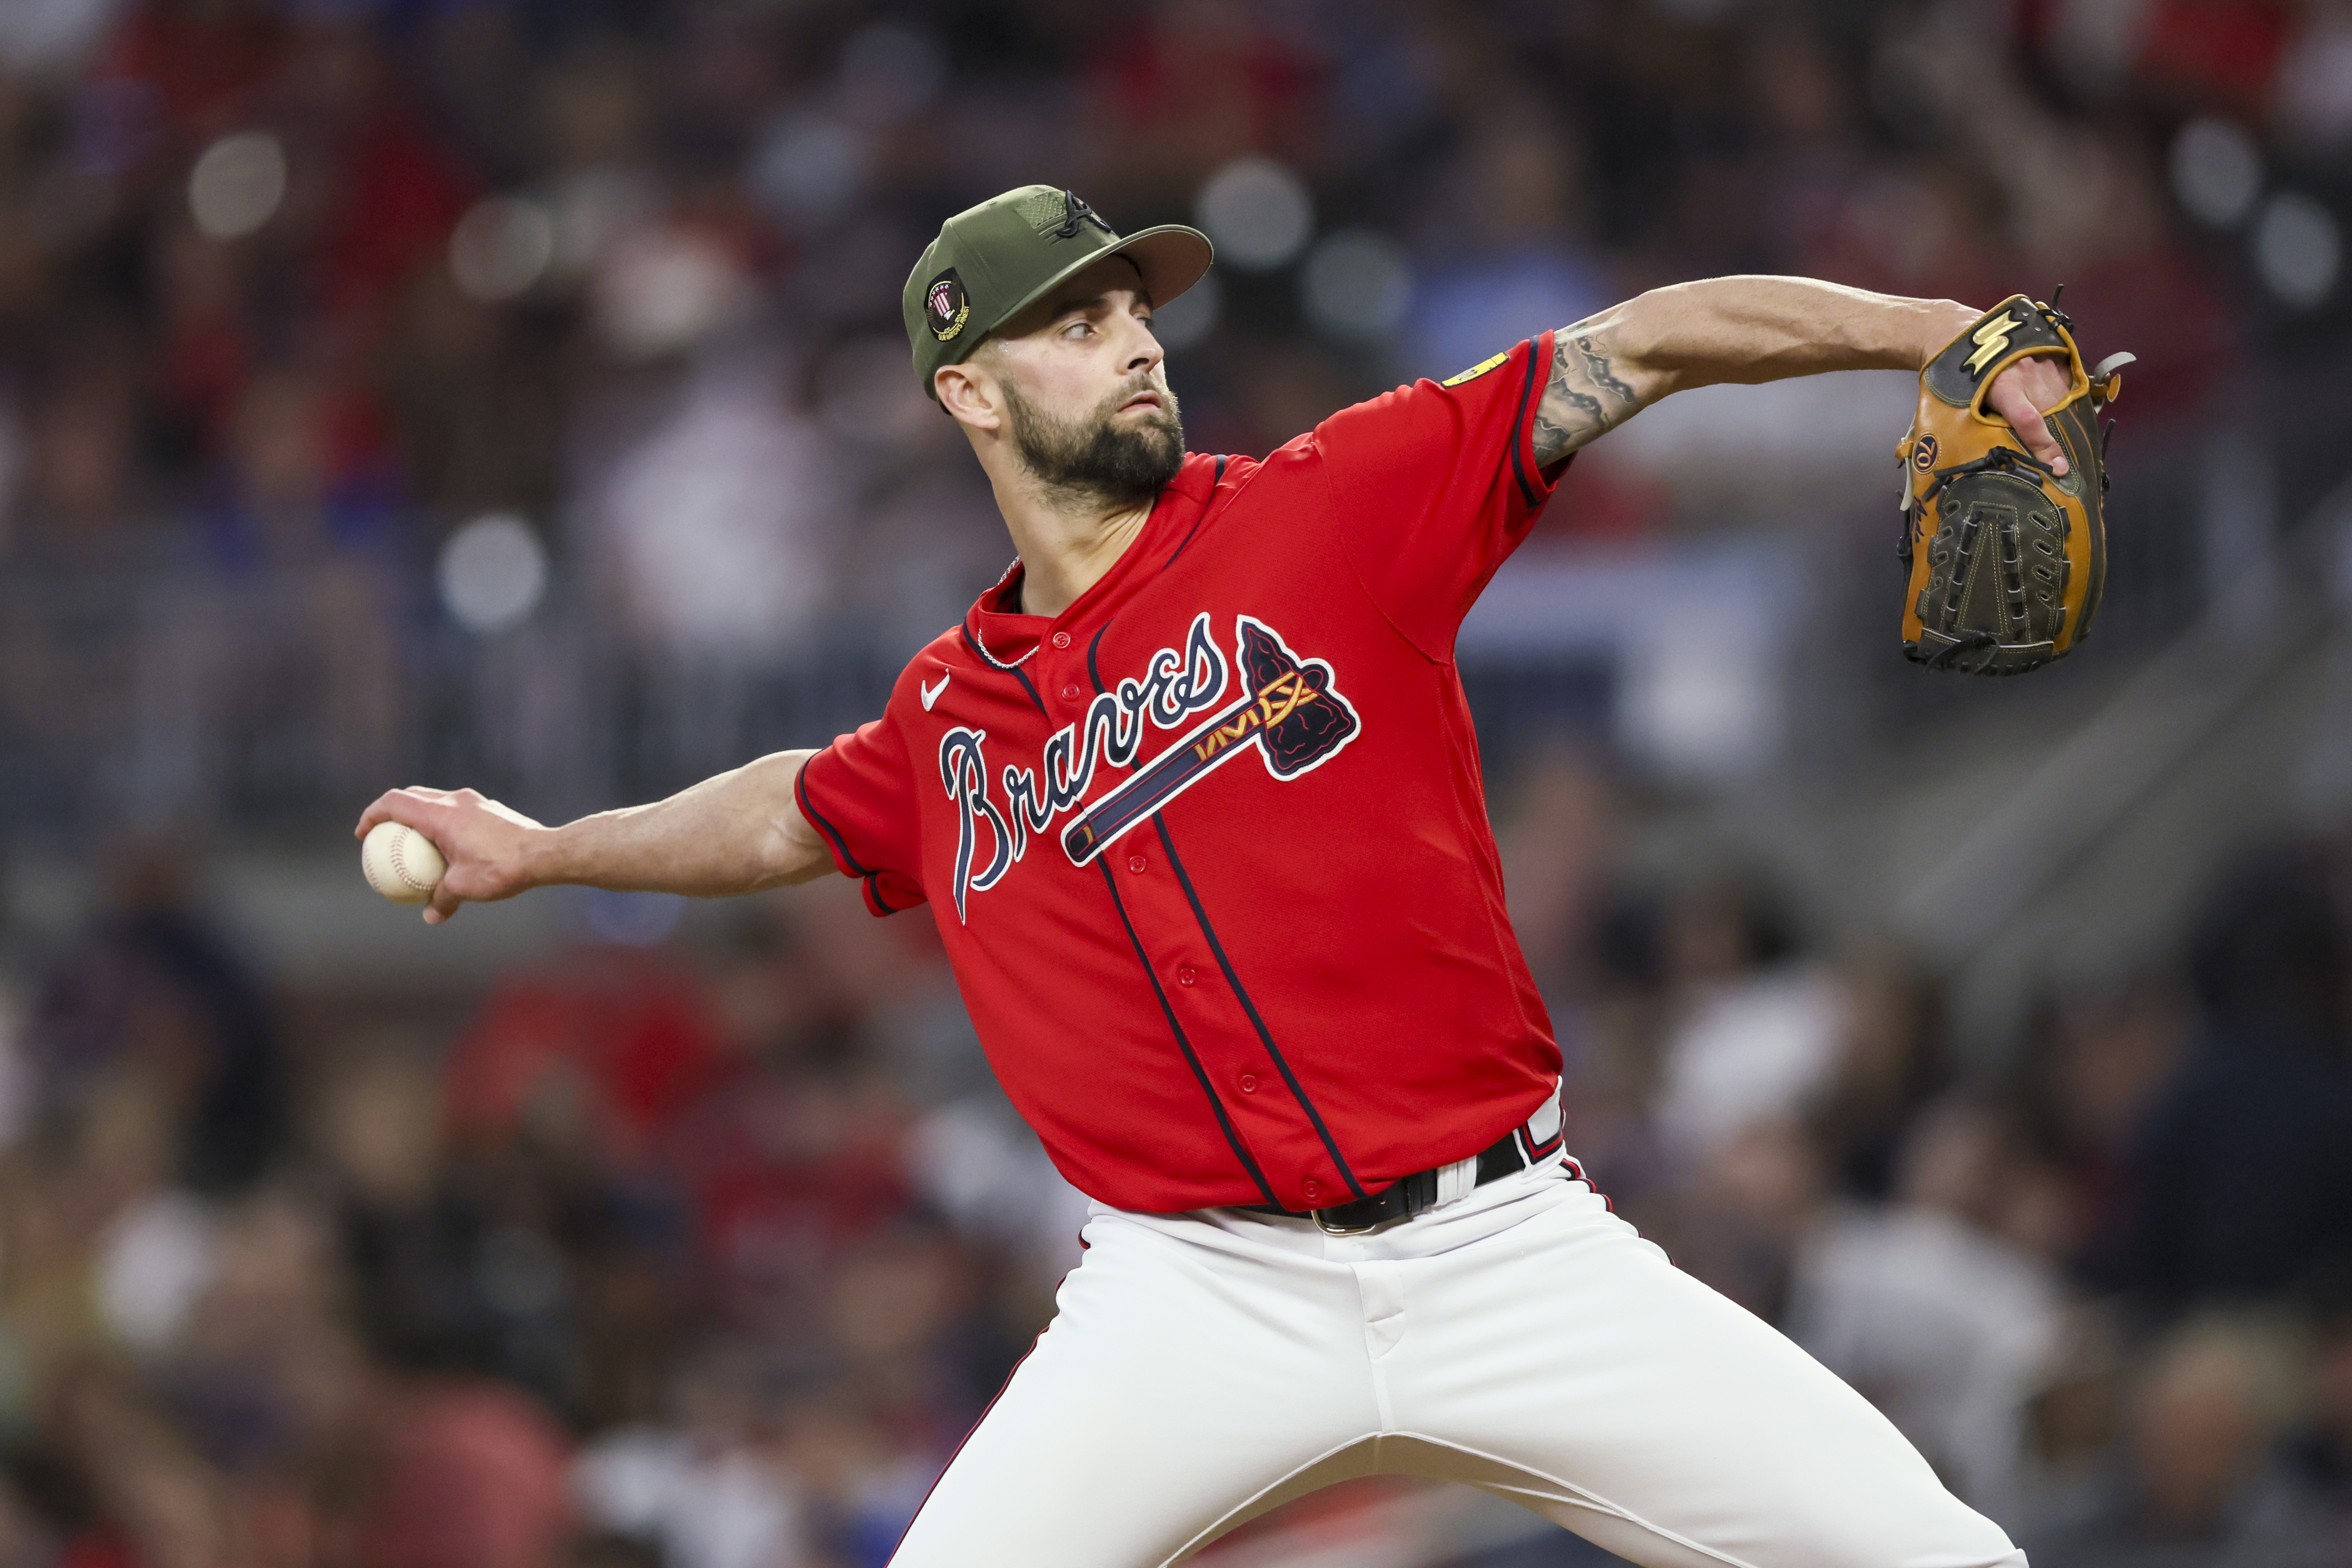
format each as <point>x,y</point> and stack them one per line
<point>1433,485</point>
<point>859,796</point>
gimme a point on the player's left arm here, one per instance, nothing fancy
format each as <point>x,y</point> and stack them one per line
<point>1609,367</point>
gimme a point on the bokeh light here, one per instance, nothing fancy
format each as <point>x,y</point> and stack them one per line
<point>237,185</point>
<point>2298,248</point>
<point>663,289</point>
<point>1258,211</point>
<point>501,247</point>
<point>2217,171</point>
<point>493,574</point>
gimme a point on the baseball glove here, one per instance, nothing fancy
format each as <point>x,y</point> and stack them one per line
<point>2005,558</point>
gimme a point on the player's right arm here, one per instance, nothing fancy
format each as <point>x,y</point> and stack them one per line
<point>739,832</point>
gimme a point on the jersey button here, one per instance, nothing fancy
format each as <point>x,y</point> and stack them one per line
<point>1061,640</point>
<point>1249,1083</point>
<point>1313,1190</point>
<point>1136,863</point>
<point>1070,692</point>
<point>1186,975</point>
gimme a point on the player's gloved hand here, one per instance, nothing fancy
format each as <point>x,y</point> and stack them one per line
<point>2021,393</point>
<point>487,844</point>
<point>2004,530</point>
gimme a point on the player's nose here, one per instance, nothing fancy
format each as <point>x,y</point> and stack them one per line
<point>1143,350</point>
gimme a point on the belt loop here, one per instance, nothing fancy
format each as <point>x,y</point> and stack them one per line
<point>1455,1181</point>
<point>1544,1126</point>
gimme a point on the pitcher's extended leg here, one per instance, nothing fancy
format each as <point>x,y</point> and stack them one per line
<point>1566,1363</point>
<point>1180,1381</point>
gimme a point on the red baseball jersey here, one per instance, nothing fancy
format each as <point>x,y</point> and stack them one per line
<point>1209,849</point>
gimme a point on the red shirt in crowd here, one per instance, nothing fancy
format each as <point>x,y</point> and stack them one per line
<point>1209,849</point>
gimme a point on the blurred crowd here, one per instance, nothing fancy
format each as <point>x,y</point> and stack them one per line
<point>700,1241</point>
<point>698,1244</point>
<point>297,296</point>
<point>2102,1278</point>
<point>701,1250</point>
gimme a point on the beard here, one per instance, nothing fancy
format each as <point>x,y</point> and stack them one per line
<point>1093,459</point>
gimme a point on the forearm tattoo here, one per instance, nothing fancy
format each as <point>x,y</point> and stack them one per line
<point>1584,398</point>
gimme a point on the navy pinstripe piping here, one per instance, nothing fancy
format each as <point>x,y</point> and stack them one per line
<point>1518,468</point>
<point>1233,1135</point>
<point>874,894</point>
<point>1022,677</point>
<point>800,793</point>
<point>1266,1035</point>
<point>1216,479</point>
<point>1094,673</point>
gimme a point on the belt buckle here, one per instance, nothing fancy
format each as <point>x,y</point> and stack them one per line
<point>1329,1228</point>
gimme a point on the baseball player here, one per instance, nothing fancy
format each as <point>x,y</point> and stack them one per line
<point>1193,796</point>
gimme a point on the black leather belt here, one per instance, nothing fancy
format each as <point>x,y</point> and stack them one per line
<point>1405,1198</point>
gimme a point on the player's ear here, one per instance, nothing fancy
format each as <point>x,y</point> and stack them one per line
<point>970,391</point>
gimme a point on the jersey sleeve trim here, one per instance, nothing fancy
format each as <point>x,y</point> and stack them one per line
<point>848,863</point>
<point>1522,434</point>
<point>875,901</point>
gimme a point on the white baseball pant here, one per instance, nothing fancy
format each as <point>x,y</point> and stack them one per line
<point>1203,1368</point>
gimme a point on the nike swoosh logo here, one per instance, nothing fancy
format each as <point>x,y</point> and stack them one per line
<point>931,694</point>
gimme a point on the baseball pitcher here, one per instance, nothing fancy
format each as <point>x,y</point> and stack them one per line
<point>1193,796</point>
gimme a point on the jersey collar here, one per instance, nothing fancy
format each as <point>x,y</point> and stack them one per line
<point>1005,638</point>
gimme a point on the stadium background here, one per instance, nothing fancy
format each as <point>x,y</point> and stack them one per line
<point>511,392</point>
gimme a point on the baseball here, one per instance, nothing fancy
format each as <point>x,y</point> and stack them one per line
<point>401,863</point>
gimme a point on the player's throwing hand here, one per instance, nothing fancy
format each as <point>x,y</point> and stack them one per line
<point>485,843</point>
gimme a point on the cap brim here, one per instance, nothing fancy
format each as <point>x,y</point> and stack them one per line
<point>1170,258</point>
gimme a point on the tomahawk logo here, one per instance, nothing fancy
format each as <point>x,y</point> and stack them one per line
<point>1290,712</point>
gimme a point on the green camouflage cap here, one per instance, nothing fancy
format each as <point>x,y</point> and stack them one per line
<point>993,261</point>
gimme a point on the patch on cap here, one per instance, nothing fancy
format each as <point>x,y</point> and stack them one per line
<point>945,306</point>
